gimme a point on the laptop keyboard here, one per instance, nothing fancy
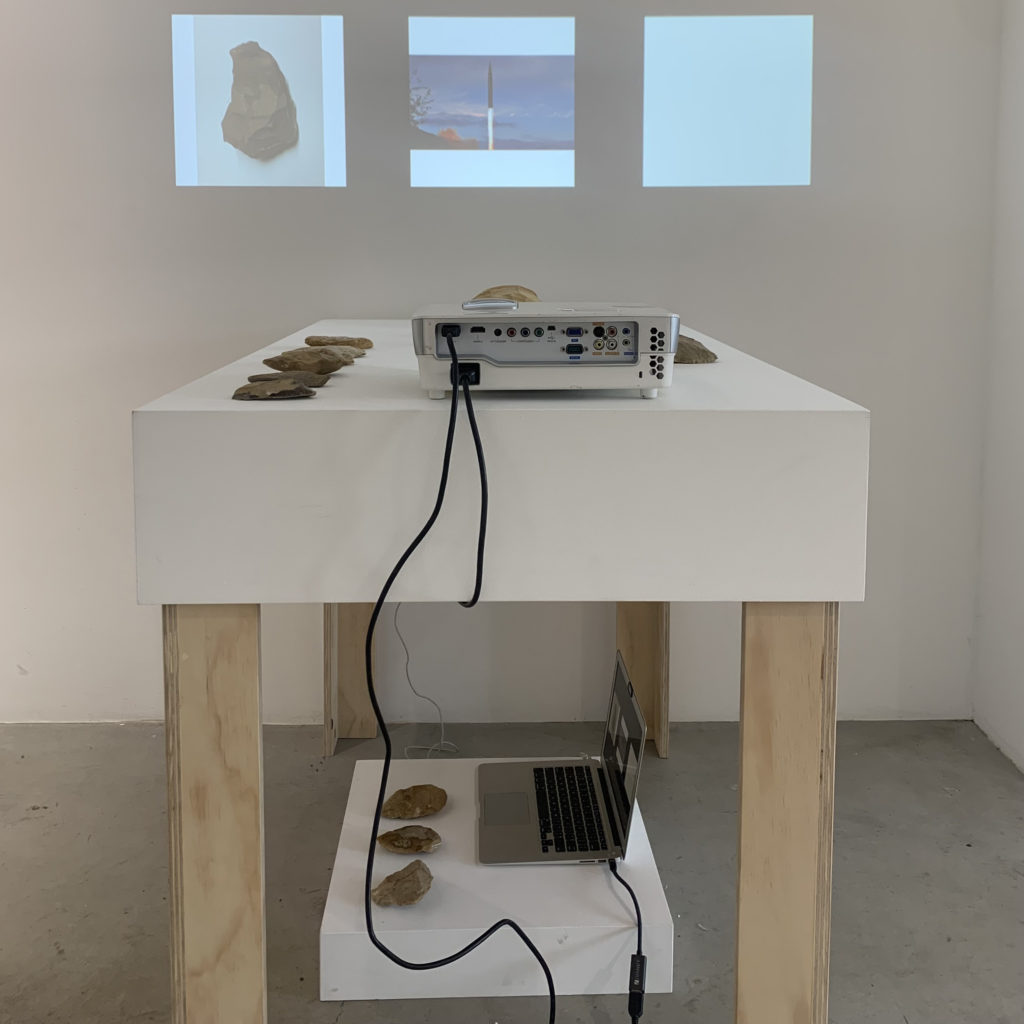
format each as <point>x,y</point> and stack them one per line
<point>569,818</point>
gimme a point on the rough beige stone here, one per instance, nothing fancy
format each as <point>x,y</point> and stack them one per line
<point>518,292</point>
<point>410,839</point>
<point>690,350</point>
<point>260,120</point>
<point>338,339</point>
<point>311,380</point>
<point>415,802</point>
<point>405,887</point>
<point>316,360</point>
<point>271,390</point>
<point>355,353</point>
<point>347,352</point>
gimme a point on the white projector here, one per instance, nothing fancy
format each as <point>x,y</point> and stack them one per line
<point>539,346</point>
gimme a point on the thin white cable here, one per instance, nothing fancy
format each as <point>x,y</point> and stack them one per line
<point>442,745</point>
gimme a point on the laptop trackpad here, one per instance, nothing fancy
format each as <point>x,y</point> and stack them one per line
<point>506,809</point>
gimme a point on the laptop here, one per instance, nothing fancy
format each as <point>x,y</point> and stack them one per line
<point>570,811</point>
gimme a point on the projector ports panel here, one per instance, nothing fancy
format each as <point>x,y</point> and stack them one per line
<point>525,341</point>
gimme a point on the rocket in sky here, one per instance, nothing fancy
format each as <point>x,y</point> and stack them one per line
<point>490,107</point>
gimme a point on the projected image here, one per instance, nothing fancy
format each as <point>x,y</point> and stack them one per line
<point>727,101</point>
<point>258,100</point>
<point>491,102</point>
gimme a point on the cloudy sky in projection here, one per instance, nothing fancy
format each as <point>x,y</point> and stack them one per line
<point>534,102</point>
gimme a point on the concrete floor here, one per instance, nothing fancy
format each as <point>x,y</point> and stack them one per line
<point>928,912</point>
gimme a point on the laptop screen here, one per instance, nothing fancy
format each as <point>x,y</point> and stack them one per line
<point>623,746</point>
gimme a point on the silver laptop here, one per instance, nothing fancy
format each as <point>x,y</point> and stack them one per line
<point>565,812</point>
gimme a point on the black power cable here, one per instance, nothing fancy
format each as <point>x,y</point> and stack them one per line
<point>638,962</point>
<point>482,534</point>
<point>457,380</point>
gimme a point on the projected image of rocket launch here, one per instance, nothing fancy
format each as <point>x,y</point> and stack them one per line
<point>490,106</point>
<point>492,102</point>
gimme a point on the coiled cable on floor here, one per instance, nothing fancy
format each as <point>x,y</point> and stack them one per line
<point>458,380</point>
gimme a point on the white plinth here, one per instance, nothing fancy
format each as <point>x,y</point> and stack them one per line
<point>739,483</point>
<point>579,917</point>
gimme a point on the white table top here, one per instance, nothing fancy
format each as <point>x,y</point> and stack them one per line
<point>741,482</point>
<point>387,381</point>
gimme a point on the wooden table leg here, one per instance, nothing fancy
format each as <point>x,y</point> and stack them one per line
<point>787,768</point>
<point>641,634</point>
<point>215,813</point>
<point>347,709</point>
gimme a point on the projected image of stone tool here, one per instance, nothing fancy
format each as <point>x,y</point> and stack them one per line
<point>261,120</point>
<point>259,100</point>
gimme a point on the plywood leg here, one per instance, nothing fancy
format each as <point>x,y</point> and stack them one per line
<point>215,813</point>
<point>641,631</point>
<point>787,768</point>
<point>347,709</point>
<point>331,719</point>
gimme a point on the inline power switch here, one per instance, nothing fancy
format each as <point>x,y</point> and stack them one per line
<point>469,372</point>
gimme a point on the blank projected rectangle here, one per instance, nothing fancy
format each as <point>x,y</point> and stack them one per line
<point>727,101</point>
<point>491,102</point>
<point>258,99</point>
<point>430,168</point>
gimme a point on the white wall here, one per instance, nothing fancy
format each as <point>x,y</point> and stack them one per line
<point>999,684</point>
<point>117,287</point>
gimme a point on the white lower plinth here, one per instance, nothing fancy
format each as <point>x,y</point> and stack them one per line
<point>579,917</point>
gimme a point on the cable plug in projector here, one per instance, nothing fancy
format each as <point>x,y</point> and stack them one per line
<point>547,346</point>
